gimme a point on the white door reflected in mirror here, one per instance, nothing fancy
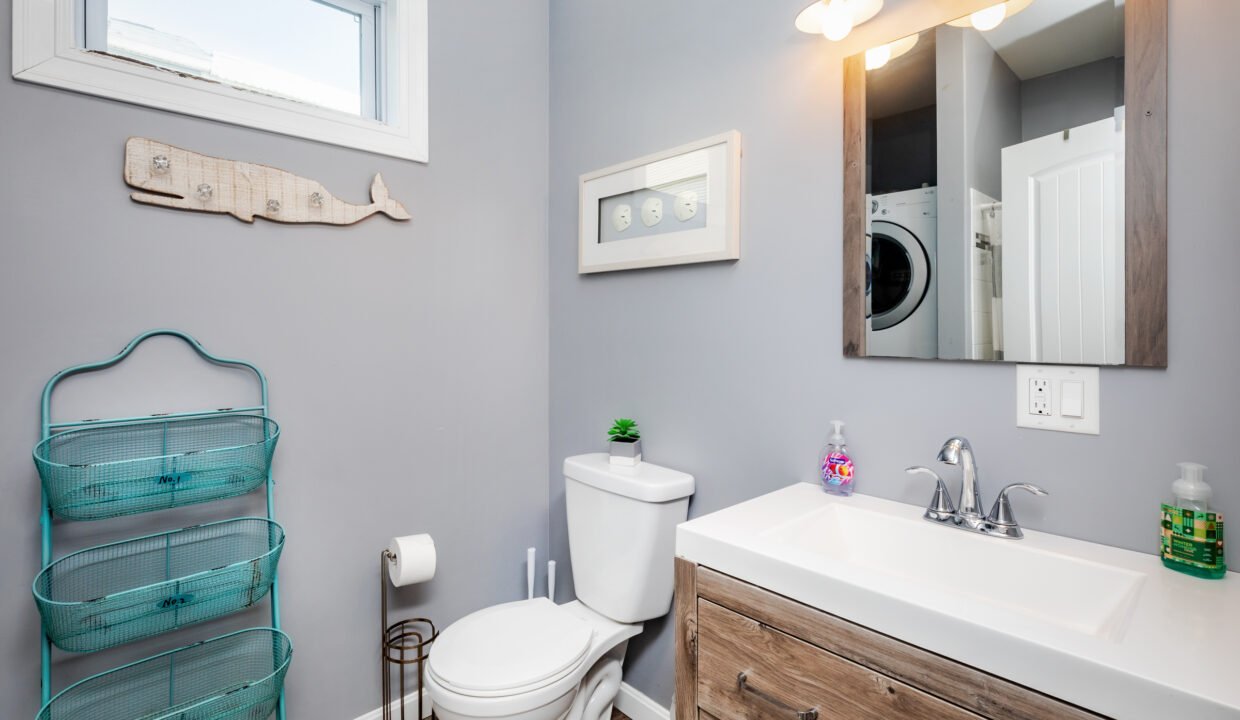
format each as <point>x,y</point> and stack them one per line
<point>622,217</point>
<point>652,211</point>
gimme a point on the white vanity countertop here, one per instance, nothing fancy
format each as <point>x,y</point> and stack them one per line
<point>1107,629</point>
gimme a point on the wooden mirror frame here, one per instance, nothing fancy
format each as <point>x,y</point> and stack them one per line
<point>1145,190</point>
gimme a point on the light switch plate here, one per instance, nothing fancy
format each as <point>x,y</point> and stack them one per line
<point>1040,398</point>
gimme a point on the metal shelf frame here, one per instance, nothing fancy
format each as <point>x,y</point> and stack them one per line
<point>49,427</point>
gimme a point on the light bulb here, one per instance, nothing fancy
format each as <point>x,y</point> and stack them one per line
<point>877,57</point>
<point>837,20</point>
<point>989,18</point>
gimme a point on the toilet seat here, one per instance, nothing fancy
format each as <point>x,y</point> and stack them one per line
<point>510,649</point>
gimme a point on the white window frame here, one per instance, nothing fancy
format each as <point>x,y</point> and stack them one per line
<point>47,49</point>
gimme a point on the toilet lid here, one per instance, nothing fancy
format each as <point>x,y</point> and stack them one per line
<point>514,645</point>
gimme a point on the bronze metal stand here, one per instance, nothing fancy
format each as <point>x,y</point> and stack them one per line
<point>403,643</point>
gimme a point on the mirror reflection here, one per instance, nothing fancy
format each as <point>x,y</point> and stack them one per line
<point>995,187</point>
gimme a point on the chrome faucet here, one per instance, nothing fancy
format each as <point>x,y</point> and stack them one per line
<point>958,451</point>
<point>1000,521</point>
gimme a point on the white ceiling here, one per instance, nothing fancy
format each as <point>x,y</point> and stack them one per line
<point>1053,35</point>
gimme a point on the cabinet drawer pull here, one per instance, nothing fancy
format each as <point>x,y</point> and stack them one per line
<point>742,681</point>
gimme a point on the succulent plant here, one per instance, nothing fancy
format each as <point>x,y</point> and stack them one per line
<point>624,430</point>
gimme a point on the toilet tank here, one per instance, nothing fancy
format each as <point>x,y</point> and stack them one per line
<point>621,534</point>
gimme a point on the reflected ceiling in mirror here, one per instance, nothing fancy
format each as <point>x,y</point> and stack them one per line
<point>994,187</point>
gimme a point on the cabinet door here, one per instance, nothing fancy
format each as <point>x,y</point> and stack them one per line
<point>784,678</point>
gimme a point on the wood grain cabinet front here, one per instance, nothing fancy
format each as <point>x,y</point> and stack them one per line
<point>748,670</point>
<point>743,652</point>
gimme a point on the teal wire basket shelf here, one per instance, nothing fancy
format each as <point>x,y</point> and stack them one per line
<point>116,593</point>
<point>134,467</point>
<point>234,676</point>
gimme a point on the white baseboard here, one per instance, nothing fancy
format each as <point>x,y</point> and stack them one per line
<point>630,701</point>
<point>411,708</point>
<point>638,706</point>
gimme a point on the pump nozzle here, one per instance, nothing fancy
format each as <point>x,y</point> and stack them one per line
<point>1192,483</point>
<point>837,433</point>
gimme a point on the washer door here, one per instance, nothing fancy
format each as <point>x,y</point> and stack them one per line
<point>901,274</point>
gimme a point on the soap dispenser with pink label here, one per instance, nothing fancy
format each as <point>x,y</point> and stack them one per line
<point>835,466</point>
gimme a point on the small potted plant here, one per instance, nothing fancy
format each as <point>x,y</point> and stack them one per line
<point>626,443</point>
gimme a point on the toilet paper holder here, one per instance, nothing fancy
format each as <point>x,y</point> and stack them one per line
<point>403,643</point>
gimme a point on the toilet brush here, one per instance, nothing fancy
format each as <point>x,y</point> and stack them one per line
<point>529,573</point>
<point>551,580</point>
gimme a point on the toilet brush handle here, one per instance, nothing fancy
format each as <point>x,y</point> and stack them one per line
<point>529,573</point>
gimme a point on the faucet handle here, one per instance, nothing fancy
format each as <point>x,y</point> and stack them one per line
<point>1001,512</point>
<point>941,507</point>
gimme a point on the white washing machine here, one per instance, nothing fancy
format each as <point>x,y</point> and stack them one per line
<point>902,301</point>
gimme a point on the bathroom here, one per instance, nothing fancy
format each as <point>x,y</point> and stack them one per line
<point>432,375</point>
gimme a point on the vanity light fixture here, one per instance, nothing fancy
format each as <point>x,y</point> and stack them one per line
<point>990,17</point>
<point>877,57</point>
<point>834,19</point>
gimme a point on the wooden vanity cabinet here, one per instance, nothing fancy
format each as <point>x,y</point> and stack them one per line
<point>744,652</point>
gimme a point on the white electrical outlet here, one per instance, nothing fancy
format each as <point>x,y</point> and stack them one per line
<point>1039,396</point>
<point>1058,397</point>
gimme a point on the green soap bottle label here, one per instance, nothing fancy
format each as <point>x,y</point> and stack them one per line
<point>1193,539</point>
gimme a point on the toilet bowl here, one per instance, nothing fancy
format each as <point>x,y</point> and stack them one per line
<point>535,660</point>
<point>528,660</point>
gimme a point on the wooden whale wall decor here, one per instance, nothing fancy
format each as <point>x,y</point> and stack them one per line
<point>176,178</point>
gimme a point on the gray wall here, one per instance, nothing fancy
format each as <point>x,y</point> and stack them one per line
<point>408,362</point>
<point>1070,98</point>
<point>734,369</point>
<point>978,115</point>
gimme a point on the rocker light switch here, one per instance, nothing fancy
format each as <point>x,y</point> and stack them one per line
<point>1072,399</point>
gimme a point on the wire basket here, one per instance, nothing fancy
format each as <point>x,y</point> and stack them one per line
<point>233,676</point>
<point>135,467</point>
<point>113,594</point>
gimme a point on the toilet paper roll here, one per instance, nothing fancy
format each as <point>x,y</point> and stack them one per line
<point>415,559</point>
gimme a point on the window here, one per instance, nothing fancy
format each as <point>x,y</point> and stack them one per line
<point>330,61</point>
<point>348,72</point>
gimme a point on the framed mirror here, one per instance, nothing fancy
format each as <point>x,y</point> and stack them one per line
<point>1005,187</point>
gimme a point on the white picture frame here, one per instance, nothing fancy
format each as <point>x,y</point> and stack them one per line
<point>701,183</point>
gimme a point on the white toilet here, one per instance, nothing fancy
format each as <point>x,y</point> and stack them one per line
<point>535,660</point>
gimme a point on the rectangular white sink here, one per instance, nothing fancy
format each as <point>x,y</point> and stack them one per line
<point>965,569</point>
<point>1106,629</point>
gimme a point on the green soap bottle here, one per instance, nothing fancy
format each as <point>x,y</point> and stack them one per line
<point>1192,536</point>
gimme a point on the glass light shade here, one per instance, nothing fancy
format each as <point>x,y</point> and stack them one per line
<point>989,18</point>
<point>877,57</point>
<point>837,20</point>
<point>1010,8</point>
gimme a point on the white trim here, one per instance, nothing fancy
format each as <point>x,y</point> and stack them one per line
<point>638,705</point>
<point>630,701</point>
<point>411,707</point>
<point>45,52</point>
